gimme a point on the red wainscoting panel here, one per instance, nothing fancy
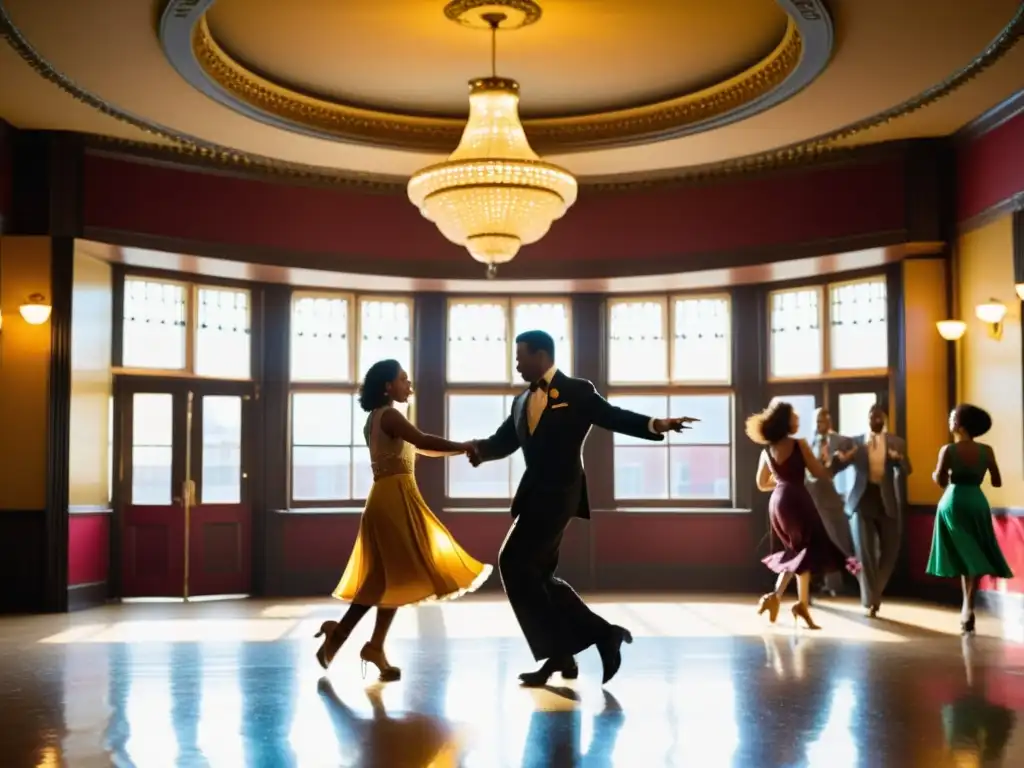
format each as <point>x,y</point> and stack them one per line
<point>794,207</point>
<point>658,538</point>
<point>316,542</point>
<point>88,548</point>
<point>990,169</point>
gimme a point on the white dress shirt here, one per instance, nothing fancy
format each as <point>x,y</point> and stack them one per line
<point>876,456</point>
<point>538,401</point>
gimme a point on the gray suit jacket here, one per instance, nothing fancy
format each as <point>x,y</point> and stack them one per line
<point>895,470</point>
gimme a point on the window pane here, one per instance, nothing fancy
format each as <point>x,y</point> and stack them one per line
<point>471,417</point>
<point>152,451</point>
<point>478,342</point>
<point>700,471</point>
<point>637,348</point>
<point>362,473</point>
<point>858,325</point>
<point>322,418</point>
<point>321,474</point>
<point>714,412</point>
<point>549,316</point>
<point>154,325</point>
<point>649,405</point>
<point>320,339</point>
<point>222,450</point>
<point>796,333</point>
<point>641,472</point>
<point>852,419</point>
<point>805,406</point>
<point>223,338</point>
<point>385,332</point>
<point>702,343</point>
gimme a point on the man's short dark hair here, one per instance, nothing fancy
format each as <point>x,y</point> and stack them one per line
<point>537,341</point>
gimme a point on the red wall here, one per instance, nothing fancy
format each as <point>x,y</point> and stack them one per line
<point>671,223</point>
<point>88,548</point>
<point>990,169</point>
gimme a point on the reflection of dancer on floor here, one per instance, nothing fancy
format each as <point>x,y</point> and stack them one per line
<point>806,546</point>
<point>403,554</point>
<point>414,740</point>
<point>964,542</point>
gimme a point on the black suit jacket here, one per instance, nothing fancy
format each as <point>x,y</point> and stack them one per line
<point>554,479</point>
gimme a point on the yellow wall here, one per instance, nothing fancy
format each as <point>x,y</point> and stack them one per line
<point>91,328</point>
<point>24,374</point>
<point>990,370</point>
<point>927,402</point>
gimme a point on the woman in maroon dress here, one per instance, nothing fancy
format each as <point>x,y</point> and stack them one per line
<point>806,547</point>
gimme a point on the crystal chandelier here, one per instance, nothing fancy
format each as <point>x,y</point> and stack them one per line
<point>493,194</point>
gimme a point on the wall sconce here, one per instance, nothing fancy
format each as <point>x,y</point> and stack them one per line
<point>992,313</point>
<point>35,310</point>
<point>951,330</point>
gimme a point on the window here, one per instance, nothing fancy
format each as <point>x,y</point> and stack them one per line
<point>856,316</point>
<point>695,465</point>
<point>335,338</point>
<point>858,327</point>
<point>478,416</point>
<point>796,338</point>
<point>482,380</point>
<point>180,327</point>
<point>678,340</point>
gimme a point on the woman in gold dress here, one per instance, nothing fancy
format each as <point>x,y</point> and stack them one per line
<point>403,554</point>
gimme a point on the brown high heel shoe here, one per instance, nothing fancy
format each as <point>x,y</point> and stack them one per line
<point>330,646</point>
<point>376,656</point>
<point>800,612</point>
<point>770,603</point>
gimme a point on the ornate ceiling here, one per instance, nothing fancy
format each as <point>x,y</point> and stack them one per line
<point>610,89</point>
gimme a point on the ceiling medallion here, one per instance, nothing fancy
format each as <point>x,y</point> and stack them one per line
<point>800,56</point>
<point>493,194</point>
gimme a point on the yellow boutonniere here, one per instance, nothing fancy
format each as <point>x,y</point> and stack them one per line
<point>552,394</point>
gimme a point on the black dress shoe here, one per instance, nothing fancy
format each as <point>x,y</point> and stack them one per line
<point>610,649</point>
<point>565,666</point>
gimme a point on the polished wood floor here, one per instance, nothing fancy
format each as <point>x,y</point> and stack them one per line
<point>706,683</point>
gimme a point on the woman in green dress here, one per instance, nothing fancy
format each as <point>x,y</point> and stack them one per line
<point>964,542</point>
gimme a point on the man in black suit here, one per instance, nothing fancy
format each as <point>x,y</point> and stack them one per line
<point>550,421</point>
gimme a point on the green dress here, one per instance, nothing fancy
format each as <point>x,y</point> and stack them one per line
<point>964,542</point>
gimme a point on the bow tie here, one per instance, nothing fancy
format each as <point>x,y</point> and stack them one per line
<point>542,385</point>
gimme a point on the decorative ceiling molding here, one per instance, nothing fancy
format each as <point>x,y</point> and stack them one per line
<point>799,57</point>
<point>801,153</point>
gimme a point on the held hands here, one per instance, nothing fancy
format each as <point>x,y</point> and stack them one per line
<point>844,456</point>
<point>472,448</point>
<point>673,425</point>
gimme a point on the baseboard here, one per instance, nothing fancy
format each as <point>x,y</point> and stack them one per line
<point>84,596</point>
<point>22,560</point>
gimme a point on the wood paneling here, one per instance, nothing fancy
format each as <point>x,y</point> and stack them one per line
<point>22,545</point>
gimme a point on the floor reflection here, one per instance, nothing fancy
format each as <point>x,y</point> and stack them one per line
<point>213,686</point>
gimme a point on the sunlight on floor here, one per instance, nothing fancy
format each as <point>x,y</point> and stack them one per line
<point>299,620</point>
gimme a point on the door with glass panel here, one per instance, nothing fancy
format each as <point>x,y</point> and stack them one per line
<point>185,516</point>
<point>850,402</point>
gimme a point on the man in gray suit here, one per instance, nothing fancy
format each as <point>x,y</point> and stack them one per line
<point>874,504</point>
<point>825,443</point>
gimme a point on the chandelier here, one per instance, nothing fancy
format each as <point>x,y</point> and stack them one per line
<point>493,194</point>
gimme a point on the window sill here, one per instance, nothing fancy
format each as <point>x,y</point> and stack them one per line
<point>674,510</point>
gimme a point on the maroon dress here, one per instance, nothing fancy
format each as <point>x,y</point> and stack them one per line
<point>797,525</point>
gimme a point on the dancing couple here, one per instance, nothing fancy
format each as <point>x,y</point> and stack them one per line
<point>404,555</point>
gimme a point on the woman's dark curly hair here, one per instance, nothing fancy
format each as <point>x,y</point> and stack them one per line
<point>771,424</point>
<point>373,391</point>
<point>973,420</point>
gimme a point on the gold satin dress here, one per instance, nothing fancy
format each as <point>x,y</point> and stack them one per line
<point>403,554</point>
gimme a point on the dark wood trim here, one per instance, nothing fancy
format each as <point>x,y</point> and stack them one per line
<point>991,119</point>
<point>90,509</point>
<point>274,461</point>
<point>7,132</point>
<point>749,325</point>
<point>23,548</point>
<point>429,362</point>
<point>84,596</point>
<point>119,496</point>
<point>1011,204</point>
<point>62,262</point>
<point>897,344</point>
<point>460,267</point>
